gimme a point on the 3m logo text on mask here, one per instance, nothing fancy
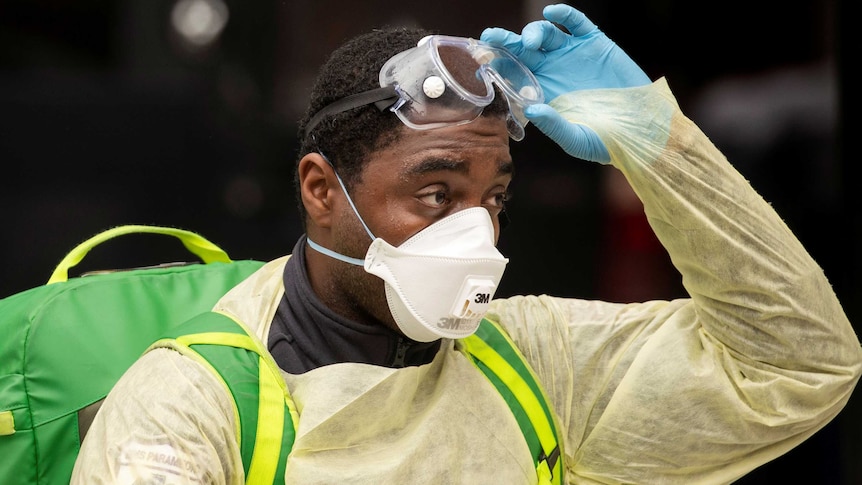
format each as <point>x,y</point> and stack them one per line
<point>450,323</point>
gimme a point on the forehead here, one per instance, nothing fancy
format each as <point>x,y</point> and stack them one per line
<point>482,144</point>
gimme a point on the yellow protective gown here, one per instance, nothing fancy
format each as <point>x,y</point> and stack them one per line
<point>697,390</point>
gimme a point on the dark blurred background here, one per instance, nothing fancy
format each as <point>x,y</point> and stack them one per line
<point>182,113</point>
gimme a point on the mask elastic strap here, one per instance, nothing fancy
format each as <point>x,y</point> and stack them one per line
<point>329,252</point>
<point>333,254</point>
<point>346,194</point>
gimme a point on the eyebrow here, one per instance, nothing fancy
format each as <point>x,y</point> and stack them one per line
<point>452,165</point>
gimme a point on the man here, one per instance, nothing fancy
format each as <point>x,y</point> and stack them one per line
<point>403,174</point>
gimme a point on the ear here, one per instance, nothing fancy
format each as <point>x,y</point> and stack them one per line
<point>316,180</point>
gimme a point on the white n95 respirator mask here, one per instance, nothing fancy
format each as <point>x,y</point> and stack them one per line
<point>439,282</point>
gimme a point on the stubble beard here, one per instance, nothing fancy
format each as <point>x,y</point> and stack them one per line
<point>365,293</point>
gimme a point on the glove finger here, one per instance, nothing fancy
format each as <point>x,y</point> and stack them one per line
<point>513,42</point>
<point>573,20</point>
<point>502,38</point>
<point>543,35</point>
<point>577,140</point>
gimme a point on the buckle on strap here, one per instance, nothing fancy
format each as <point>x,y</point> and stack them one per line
<point>551,459</point>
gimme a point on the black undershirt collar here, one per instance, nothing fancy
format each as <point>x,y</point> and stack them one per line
<point>306,334</point>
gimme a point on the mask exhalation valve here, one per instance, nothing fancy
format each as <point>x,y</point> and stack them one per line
<point>473,297</point>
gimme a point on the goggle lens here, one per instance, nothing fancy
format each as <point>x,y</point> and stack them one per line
<point>463,69</point>
<point>446,81</point>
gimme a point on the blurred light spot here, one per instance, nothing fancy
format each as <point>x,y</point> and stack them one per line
<point>199,22</point>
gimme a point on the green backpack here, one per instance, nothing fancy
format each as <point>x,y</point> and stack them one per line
<point>66,343</point>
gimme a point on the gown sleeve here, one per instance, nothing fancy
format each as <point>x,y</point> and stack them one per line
<point>703,389</point>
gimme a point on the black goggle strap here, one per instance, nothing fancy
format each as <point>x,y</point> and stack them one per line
<point>383,98</point>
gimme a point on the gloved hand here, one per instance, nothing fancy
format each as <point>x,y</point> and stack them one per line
<point>584,58</point>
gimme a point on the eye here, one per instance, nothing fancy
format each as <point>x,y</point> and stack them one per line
<point>498,200</point>
<point>434,197</point>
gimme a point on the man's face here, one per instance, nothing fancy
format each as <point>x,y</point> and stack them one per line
<point>418,180</point>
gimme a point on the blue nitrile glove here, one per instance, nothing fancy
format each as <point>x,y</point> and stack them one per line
<point>564,62</point>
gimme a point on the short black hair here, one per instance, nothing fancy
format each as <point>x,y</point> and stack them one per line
<point>348,138</point>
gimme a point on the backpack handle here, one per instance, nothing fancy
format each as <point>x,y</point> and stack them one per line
<point>195,243</point>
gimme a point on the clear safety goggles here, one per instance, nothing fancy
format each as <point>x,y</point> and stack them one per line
<point>447,81</point>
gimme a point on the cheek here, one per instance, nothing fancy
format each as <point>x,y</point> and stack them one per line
<point>392,221</point>
<point>348,234</point>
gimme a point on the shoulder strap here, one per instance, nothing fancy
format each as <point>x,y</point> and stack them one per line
<point>494,353</point>
<point>265,414</point>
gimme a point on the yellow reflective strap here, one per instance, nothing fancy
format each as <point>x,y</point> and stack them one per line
<point>273,397</point>
<point>266,358</point>
<point>271,401</point>
<point>218,338</point>
<point>270,422</point>
<point>522,391</point>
